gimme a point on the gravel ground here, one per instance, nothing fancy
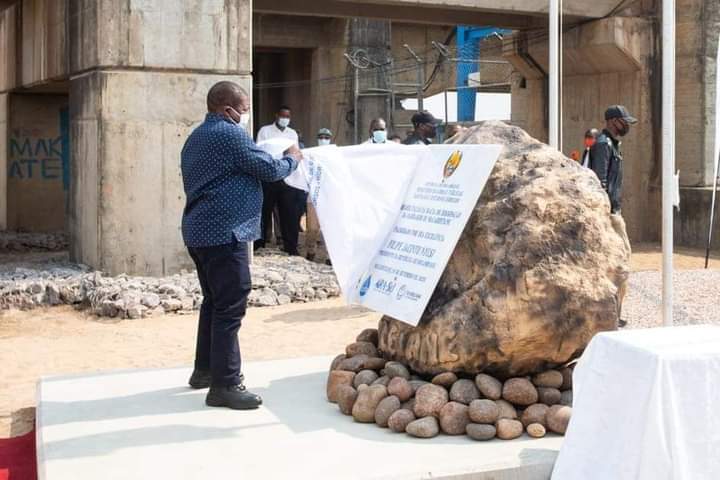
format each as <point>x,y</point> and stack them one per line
<point>696,298</point>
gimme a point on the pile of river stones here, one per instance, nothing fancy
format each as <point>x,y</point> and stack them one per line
<point>389,394</point>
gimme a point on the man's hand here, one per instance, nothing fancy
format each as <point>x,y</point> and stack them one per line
<point>294,152</point>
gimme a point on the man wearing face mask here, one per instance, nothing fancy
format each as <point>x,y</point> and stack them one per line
<point>280,201</point>
<point>606,160</point>
<point>425,128</point>
<point>324,137</point>
<point>222,171</point>
<point>378,131</point>
<point>279,128</point>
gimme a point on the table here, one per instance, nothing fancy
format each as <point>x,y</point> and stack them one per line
<point>646,406</point>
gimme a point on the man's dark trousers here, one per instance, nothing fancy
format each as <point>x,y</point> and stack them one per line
<point>224,276</point>
<point>285,197</point>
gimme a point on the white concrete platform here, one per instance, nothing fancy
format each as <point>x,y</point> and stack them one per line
<point>149,425</point>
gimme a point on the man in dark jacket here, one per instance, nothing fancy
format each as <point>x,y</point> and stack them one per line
<point>425,128</point>
<point>605,157</point>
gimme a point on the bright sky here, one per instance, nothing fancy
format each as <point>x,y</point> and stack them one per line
<point>488,106</point>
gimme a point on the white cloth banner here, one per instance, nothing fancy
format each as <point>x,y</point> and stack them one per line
<point>391,216</point>
<point>645,407</point>
<point>716,159</point>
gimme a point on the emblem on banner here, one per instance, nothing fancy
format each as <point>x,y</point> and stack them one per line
<point>365,287</point>
<point>452,164</point>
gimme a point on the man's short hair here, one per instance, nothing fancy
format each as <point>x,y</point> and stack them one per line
<point>223,94</point>
<point>283,107</point>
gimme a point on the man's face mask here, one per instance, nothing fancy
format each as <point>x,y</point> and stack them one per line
<point>239,119</point>
<point>283,122</point>
<point>323,141</point>
<point>431,131</point>
<point>622,127</point>
<point>379,136</point>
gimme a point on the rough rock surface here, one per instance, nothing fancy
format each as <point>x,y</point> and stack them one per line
<point>536,430</point>
<point>346,396</point>
<point>367,401</point>
<point>484,411</point>
<point>478,431</point>
<point>534,414</point>
<point>540,268</point>
<point>385,409</point>
<point>464,391</point>
<point>509,429</point>
<point>401,388</point>
<point>558,418</point>
<point>423,428</point>
<point>429,400</point>
<point>335,379</point>
<point>454,418</point>
<point>399,420</point>
<point>520,391</point>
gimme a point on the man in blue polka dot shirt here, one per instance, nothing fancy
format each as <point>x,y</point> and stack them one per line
<point>222,171</point>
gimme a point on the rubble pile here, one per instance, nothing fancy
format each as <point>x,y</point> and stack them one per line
<point>277,280</point>
<point>32,242</point>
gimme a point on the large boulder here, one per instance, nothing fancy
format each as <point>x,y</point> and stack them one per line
<point>540,268</point>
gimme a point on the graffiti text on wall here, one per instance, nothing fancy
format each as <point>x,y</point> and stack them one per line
<point>36,158</point>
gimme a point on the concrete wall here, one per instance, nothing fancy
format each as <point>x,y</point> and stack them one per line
<point>142,73</point>
<point>37,162</point>
<point>605,62</point>
<point>329,39</point>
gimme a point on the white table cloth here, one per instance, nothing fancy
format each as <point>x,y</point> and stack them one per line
<point>646,407</point>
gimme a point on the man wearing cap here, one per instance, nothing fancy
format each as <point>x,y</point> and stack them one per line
<point>605,157</point>
<point>324,137</point>
<point>425,126</point>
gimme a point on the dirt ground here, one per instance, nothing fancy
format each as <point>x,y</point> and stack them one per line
<point>62,340</point>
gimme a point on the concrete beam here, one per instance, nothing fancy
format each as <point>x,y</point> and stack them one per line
<point>572,8</point>
<point>184,35</point>
<point>429,13</point>
<point>612,45</point>
<point>8,48</point>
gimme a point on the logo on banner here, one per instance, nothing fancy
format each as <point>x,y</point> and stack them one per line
<point>365,287</point>
<point>452,164</point>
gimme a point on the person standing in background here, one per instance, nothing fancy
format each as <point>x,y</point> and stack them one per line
<point>279,194</point>
<point>378,131</point>
<point>606,160</point>
<point>590,139</point>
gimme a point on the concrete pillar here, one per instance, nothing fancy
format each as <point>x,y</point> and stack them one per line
<point>142,70</point>
<point>4,106</point>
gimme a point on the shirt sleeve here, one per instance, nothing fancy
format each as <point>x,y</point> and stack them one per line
<point>600,159</point>
<point>257,163</point>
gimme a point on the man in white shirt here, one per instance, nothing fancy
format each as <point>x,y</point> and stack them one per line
<point>279,194</point>
<point>280,128</point>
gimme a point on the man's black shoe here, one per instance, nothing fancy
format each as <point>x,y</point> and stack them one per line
<point>232,396</point>
<point>200,379</point>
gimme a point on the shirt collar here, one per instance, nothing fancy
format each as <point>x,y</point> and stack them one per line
<point>215,117</point>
